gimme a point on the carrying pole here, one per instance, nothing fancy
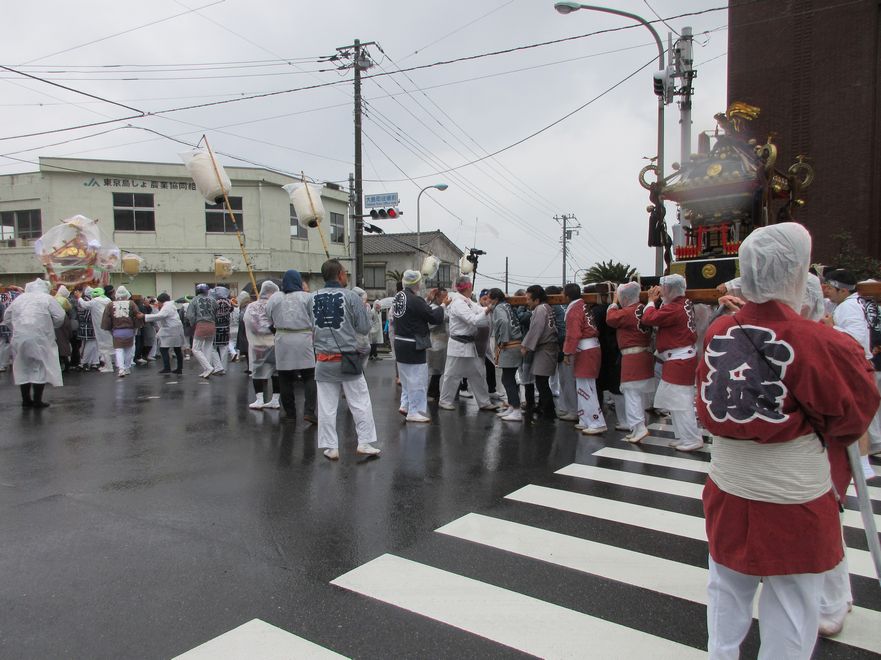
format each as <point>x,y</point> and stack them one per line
<point>232,216</point>
<point>865,502</point>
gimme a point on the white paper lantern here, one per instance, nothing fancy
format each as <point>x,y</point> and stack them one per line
<point>430,266</point>
<point>306,199</point>
<point>465,266</point>
<point>222,267</point>
<point>212,183</point>
<point>131,264</point>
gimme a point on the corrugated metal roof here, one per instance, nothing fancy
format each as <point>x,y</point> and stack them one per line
<point>403,243</point>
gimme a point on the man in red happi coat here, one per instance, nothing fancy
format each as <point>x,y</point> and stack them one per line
<point>582,350</point>
<point>775,389</point>
<point>675,347</point>
<point>637,361</point>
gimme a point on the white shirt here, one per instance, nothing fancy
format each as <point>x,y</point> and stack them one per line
<point>850,317</point>
<point>464,316</point>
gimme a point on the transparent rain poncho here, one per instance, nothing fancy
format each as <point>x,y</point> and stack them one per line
<point>628,294</point>
<point>813,305</point>
<point>33,317</point>
<point>774,264</point>
<point>672,287</point>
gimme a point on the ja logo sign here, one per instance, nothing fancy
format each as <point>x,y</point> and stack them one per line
<point>92,183</point>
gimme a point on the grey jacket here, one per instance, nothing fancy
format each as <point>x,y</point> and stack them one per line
<point>202,308</point>
<point>339,316</point>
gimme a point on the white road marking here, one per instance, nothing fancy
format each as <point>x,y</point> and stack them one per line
<point>258,639</point>
<point>507,617</point>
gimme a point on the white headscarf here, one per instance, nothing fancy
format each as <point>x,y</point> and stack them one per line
<point>122,293</point>
<point>813,306</point>
<point>37,286</point>
<point>267,289</point>
<point>672,286</point>
<point>774,264</point>
<point>628,293</point>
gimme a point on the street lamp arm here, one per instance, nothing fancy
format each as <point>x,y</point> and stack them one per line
<point>571,6</point>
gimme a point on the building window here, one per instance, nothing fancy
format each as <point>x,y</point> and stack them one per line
<point>133,212</point>
<point>297,231</point>
<point>20,224</point>
<point>374,276</point>
<point>218,219</point>
<point>337,228</point>
<point>443,278</point>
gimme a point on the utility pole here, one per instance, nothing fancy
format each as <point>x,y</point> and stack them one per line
<point>361,61</point>
<point>569,229</point>
<point>685,71</point>
<point>506,276</point>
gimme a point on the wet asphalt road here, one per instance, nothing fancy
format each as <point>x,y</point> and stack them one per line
<point>140,517</point>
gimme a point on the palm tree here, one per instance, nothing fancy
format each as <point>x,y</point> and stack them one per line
<point>609,272</point>
<point>394,275</point>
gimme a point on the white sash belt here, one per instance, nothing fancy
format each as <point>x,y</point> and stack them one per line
<point>633,350</point>
<point>682,353</point>
<point>791,472</point>
<point>590,342</point>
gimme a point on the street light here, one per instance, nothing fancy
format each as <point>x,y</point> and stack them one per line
<point>436,186</point>
<point>569,7</point>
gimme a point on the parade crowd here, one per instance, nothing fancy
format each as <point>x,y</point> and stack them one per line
<point>780,377</point>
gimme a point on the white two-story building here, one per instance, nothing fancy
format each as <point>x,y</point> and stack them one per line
<point>154,211</point>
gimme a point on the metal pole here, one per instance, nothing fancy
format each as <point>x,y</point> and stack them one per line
<point>565,8</point>
<point>506,276</point>
<point>564,249</point>
<point>418,197</point>
<point>359,184</point>
<point>685,104</point>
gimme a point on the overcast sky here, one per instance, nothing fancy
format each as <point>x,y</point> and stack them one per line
<point>450,115</point>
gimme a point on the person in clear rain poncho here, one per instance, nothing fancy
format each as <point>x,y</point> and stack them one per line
<point>103,338</point>
<point>783,396</point>
<point>33,317</point>
<point>290,312</point>
<point>261,349</point>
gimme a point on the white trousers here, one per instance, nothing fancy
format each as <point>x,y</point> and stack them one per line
<point>358,399</point>
<point>633,414</point>
<point>124,357</point>
<point>458,368</point>
<point>590,414</point>
<point>789,613</point>
<point>219,358</point>
<point>107,356</point>
<point>202,349</point>
<point>414,387</point>
<point>685,426</point>
<point>568,401</point>
<point>5,352</point>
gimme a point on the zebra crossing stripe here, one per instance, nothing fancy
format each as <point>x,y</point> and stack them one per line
<point>258,639</point>
<point>849,518</point>
<point>636,456</point>
<point>503,616</point>
<point>679,524</point>
<point>664,576</point>
<point>688,464</point>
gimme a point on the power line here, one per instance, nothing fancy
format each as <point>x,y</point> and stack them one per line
<point>338,82</point>
<point>459,29</point>
<point>128,31</point>
<point>71,89</point>
<point>538,132</point>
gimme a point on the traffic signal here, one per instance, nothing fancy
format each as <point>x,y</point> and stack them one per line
<point>382,214</point>
<point>664,84</point>
<point>372,229</point>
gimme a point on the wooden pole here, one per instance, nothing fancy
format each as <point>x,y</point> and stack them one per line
<point>232,216</point>
<point>707,296</point>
